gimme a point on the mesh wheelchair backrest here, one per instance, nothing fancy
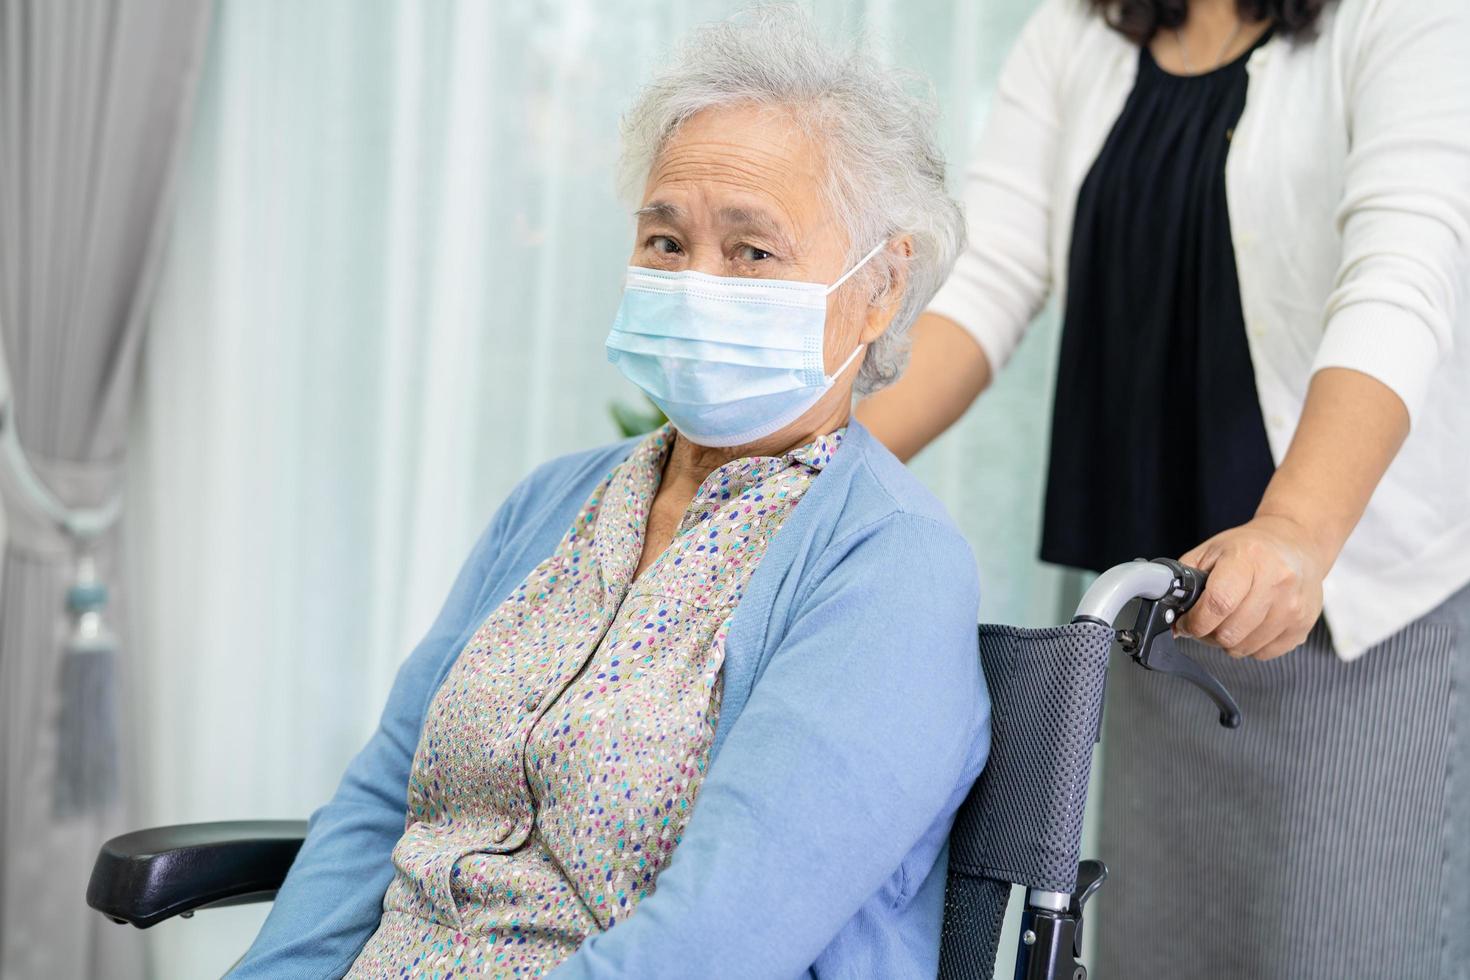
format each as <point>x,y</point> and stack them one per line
<point>1022,822</point>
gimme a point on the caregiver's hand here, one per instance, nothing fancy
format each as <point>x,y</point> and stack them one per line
<point>1265,588</point>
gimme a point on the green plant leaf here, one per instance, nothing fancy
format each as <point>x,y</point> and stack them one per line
<point>633,421</point>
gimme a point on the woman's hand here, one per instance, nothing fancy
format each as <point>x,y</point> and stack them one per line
<point>1265,588</point>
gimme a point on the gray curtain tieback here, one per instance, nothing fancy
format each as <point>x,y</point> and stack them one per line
<point>34,490</point>
<point>40,525</point>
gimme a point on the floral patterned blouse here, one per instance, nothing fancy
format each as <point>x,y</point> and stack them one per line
<point>561,757</point>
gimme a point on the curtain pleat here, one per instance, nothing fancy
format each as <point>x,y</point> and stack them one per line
<point>93,97</point>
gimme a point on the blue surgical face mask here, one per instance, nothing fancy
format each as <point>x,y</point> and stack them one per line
<point>728,360</point>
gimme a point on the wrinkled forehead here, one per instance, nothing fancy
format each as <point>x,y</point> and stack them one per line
<point>751,161</point>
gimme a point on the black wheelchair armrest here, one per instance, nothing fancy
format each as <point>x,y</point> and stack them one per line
<point>150,875</point>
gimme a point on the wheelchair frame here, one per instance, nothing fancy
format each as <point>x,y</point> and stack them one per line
<point>1051,924</point>
<point>148,876</point>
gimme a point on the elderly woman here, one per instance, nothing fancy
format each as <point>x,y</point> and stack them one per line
<point>681,715</point>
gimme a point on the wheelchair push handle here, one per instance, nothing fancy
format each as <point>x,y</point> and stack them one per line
<point>1166,590</point>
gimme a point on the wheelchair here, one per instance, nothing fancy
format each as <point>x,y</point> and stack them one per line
<point>1020,824</point>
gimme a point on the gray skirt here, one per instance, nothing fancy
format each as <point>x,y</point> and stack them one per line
<point>1328,837</point>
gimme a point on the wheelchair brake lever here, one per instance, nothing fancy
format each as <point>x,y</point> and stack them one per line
<point>1151,640</point>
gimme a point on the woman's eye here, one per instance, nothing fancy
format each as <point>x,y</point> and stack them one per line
<point>664,245</point>
<point>749,253</point>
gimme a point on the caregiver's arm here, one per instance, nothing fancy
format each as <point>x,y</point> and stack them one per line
<point>1003,275</point>
<point>868,721</point>
<point>946,373</point>
<point>1265,588</point>
<point>1390,322</point>
<point>332,899</point>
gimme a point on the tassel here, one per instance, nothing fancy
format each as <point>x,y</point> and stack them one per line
<point>87,752</point>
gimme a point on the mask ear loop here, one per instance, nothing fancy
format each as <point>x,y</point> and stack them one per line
<point>832,378</point>
<point>861,262</point>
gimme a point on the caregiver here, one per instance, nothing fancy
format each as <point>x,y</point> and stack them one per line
<point>1256,219</point>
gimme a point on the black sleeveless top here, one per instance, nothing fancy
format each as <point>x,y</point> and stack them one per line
<point>1157,439</point>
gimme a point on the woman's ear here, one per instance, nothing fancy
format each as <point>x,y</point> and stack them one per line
<point>886,301</point>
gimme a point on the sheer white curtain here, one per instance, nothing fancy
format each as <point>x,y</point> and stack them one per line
<point>397,254</point>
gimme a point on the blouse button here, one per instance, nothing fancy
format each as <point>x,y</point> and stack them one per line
<point>533,701</point>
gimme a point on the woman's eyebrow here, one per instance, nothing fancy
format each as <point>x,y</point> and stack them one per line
<point>660,210</point>
<point>733,217</point>
<point>761,224</point>
<point>757,221</point>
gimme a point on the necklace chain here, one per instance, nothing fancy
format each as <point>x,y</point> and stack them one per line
<point>1219,56</point>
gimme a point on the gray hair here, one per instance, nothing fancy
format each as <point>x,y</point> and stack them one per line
<point>886,174</point>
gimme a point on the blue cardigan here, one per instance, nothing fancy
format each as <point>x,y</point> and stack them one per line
<point>853,722</point>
